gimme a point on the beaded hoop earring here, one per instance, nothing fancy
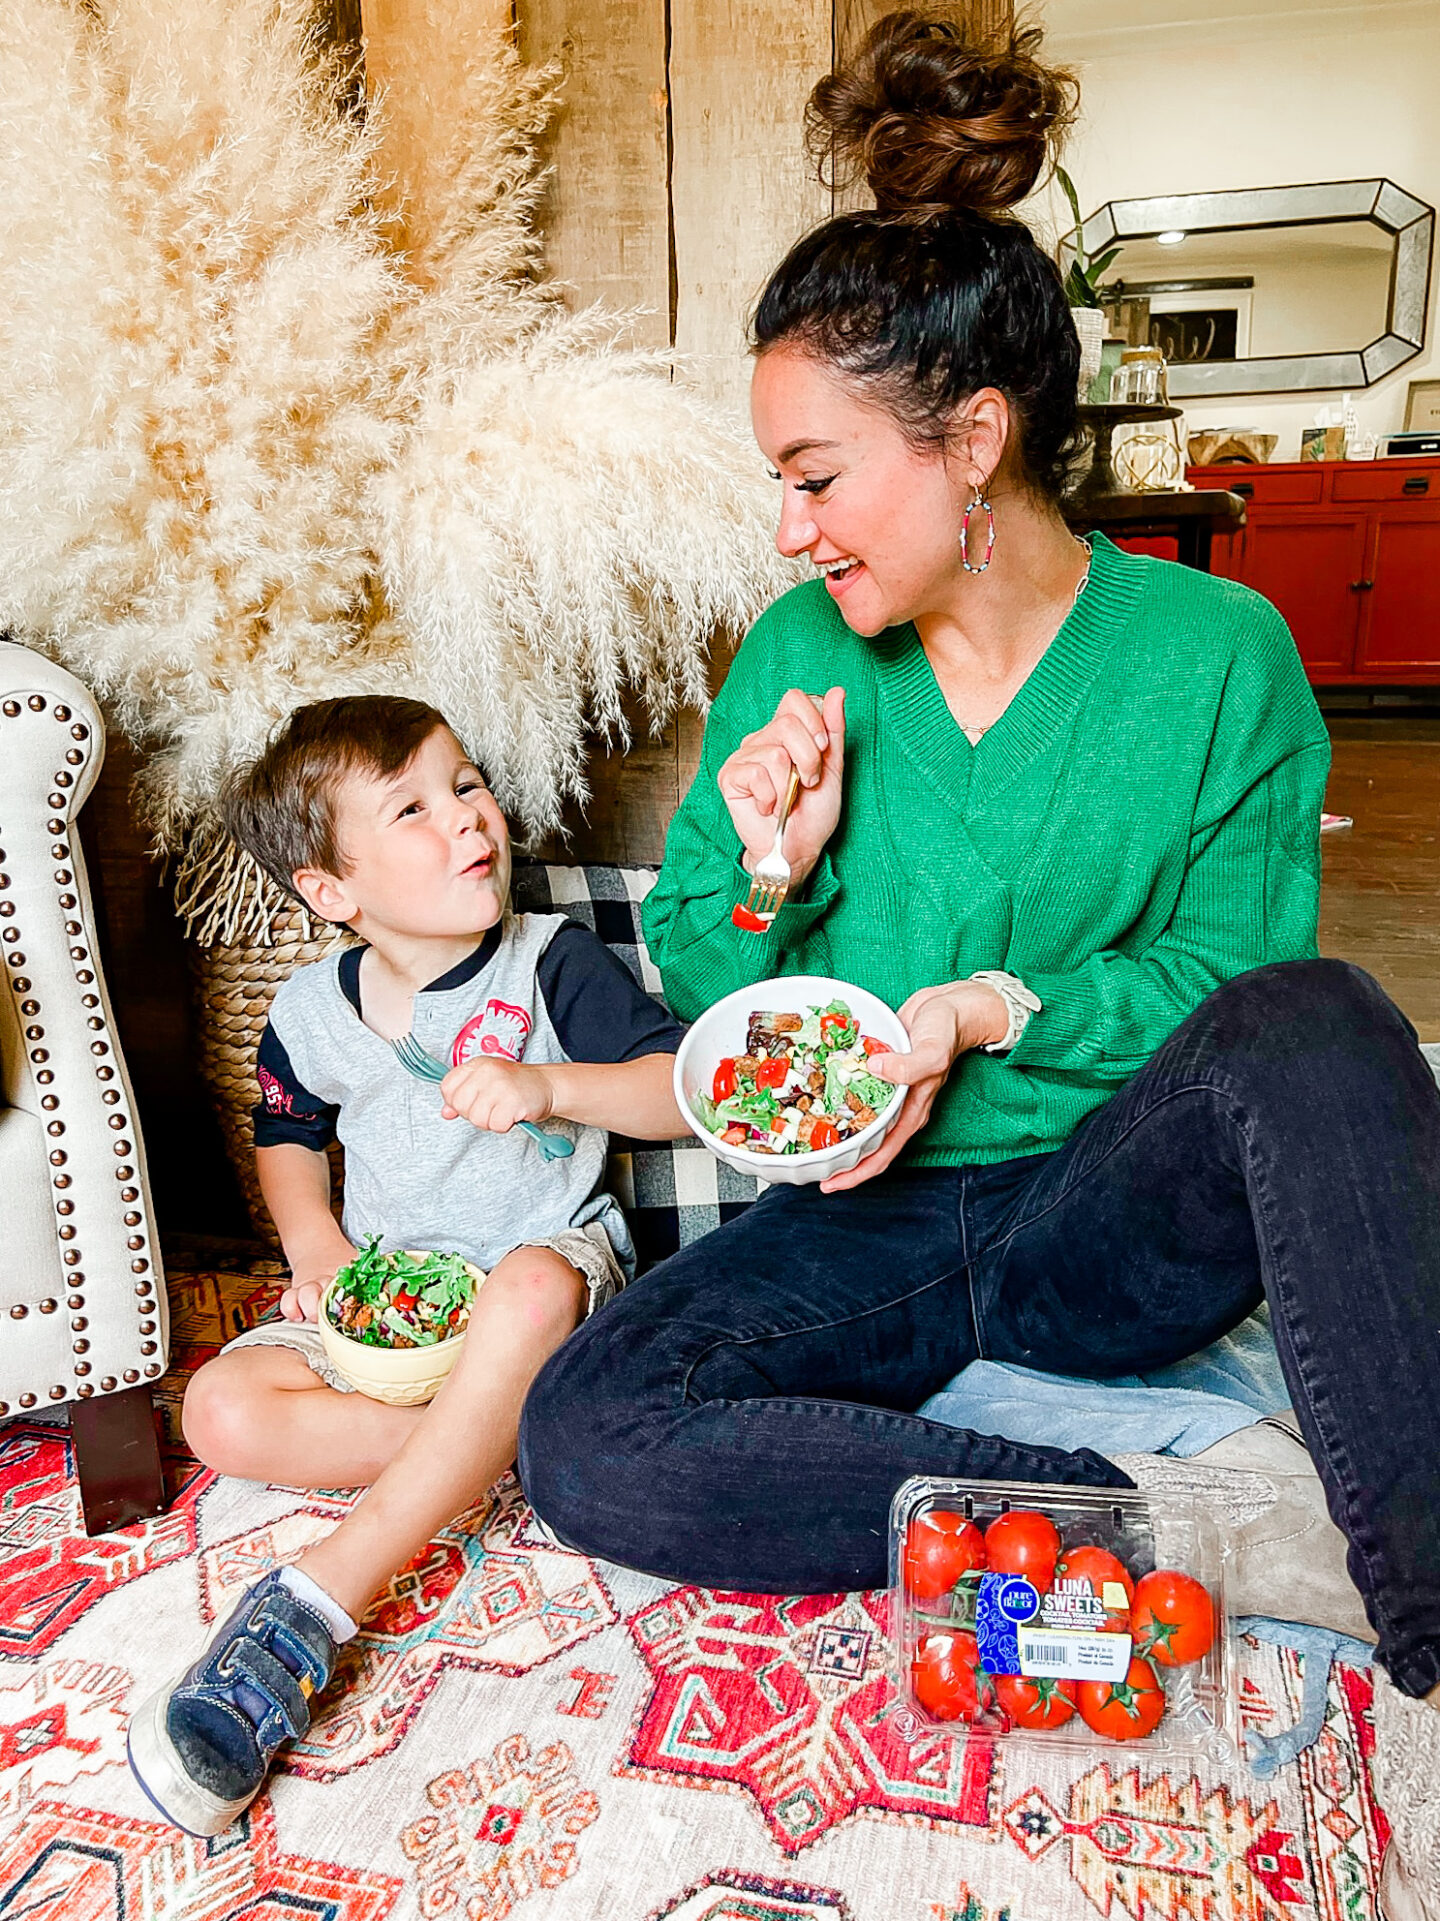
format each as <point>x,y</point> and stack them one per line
<point>981,500</point>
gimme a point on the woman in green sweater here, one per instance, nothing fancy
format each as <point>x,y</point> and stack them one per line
<point>1060,806</point>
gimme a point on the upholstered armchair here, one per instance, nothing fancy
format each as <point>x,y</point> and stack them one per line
<point>82,1295</point>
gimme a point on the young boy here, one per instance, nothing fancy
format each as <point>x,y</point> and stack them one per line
<point>371,813</point>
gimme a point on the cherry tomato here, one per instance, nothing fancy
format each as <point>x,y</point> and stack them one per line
<point>1173,1619</point>
<point>772,1071</point>
<point>1024,1542</point>
<point>752,923</point>
<point>833,1028</point>
<point>939,1548</point>
<point>725,1082</point>
<point>823,1134</point>
<point>1036,1701</point>
<point>872,1046</point>
<point>1124,1710</point>
<point>1101,1569</point>
<point>947,1677</point>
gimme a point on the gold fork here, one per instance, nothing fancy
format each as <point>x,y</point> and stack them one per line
<point>770,881</point>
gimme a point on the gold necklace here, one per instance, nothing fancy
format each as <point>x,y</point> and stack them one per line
<point>973,734</point>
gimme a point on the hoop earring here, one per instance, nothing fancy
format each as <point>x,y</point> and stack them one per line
<point>980,500</point>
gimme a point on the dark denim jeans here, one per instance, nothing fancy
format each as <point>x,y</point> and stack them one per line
<point>740,1417</point>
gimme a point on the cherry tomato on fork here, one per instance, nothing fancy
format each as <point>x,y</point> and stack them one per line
<point>750,922</point>
<point>939,1548</point>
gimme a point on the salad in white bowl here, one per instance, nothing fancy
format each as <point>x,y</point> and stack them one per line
<point>775,1078</point>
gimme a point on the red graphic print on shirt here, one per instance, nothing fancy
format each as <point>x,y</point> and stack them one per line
<point>501,1029</point>
<point>276,1100</point>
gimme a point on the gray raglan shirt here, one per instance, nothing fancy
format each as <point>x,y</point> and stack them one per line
<point>539,988</point>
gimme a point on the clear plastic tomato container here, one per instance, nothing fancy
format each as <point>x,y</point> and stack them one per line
<point>1076,1616</point>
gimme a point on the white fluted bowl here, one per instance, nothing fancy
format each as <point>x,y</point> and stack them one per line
<point>720,1032</point>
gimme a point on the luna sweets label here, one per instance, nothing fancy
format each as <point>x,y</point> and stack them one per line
<point>1017,1631</point>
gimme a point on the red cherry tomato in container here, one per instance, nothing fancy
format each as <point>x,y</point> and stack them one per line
<point>1024,1542</point>
<point>947,1678</point>
<point>1173,1618</point>
<point>872,1046</point>
<point>1100,1568</point>
<point>772,1071</point>
<point>939,1548</point>
<point>1124,1710</point>
<point>725,1082</point>
<point>833,1028</point>
<point>823,1134</point>
<point>1036,1701</point>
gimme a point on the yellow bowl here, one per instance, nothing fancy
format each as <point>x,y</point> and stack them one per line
<point>401,1376</point>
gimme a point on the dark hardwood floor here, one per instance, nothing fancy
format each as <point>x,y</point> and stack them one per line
<point>1380,906</point>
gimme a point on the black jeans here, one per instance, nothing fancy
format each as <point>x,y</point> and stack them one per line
<point>740,1417</point>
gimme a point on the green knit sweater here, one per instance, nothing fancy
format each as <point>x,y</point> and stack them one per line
<point>1141,824</point>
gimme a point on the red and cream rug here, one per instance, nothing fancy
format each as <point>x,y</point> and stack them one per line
<point>521,1731</point>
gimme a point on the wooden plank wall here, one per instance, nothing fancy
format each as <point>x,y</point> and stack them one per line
<point>678,181</point>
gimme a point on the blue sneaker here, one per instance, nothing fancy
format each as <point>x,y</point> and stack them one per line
<point>201,1747</point>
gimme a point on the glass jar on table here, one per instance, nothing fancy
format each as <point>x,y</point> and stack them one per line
<point>1141,378</point>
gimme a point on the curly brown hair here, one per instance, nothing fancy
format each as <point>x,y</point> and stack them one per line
<point>936,119</point>
<point>940,290</point>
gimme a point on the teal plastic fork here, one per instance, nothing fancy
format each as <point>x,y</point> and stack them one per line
<point>413,1058</point>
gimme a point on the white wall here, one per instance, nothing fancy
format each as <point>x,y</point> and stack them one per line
<point>1269,97</point>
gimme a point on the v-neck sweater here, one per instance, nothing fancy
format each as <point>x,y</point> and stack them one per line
<point>1139,825</point>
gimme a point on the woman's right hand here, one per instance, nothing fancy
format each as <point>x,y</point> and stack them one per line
<point>803,735</point>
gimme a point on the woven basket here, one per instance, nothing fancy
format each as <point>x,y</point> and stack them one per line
<point>235,984</point>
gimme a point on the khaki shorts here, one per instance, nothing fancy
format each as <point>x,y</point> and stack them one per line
<point>587,1249</point>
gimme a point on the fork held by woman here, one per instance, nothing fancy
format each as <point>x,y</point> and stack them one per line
<point>806,736</point>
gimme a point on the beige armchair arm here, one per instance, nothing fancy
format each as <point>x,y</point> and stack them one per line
<point>82,1294</point>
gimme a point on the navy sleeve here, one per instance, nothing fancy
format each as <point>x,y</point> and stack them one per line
<point>287,1110</point>
<point>599,1010</point>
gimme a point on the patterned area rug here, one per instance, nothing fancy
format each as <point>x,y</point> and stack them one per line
<point>521,1731</point>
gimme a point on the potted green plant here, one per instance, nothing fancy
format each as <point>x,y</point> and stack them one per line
<point>1082,289</point>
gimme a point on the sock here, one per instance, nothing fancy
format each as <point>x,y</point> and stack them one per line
<point>341,1627</point>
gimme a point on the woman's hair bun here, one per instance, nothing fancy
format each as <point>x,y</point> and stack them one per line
<point>939,119</point>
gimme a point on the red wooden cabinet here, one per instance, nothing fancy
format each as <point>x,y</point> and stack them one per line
<point>1349,551</point>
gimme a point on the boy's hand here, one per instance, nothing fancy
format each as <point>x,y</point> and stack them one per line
<point>308,1281</point>
<point>495,1094</point>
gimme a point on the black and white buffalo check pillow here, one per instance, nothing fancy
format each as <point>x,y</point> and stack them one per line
<point>672,1191</point>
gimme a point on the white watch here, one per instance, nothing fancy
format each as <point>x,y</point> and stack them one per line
<point>1020,1004</point>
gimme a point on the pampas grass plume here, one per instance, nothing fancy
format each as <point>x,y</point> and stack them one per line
<point>273,430</point>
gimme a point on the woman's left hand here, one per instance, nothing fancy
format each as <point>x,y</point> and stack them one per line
<point>943,1023</point>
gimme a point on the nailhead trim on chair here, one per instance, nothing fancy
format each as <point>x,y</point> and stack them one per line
<point>59,829</point>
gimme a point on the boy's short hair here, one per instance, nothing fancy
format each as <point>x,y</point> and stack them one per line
<point>281,809</point>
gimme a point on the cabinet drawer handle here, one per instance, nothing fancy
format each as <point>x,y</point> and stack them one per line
<point>1361,586</point>
<point>1417,484</point>
<point>1245,488</point>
